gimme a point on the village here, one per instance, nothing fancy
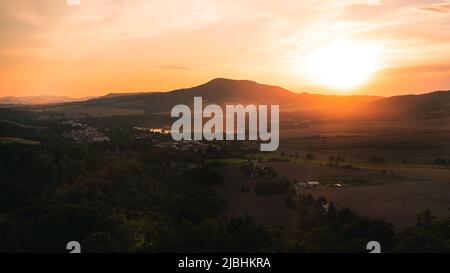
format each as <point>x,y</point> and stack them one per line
<point>82,133</point>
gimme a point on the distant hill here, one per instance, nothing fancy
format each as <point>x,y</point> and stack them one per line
<point>39,100</point>
<point>429,105</point>
<point>226,91</point>
<point>113,95</point>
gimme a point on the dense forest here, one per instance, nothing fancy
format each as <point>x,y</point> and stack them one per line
<point>124,196</point>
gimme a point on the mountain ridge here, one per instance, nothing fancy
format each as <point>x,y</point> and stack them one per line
<point>36,100</point>
<point>223,91</point>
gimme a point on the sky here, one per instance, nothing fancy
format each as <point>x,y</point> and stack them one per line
<point>378,47</point>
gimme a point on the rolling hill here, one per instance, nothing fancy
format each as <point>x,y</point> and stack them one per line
<point>429,105</point>
<point>39,100</point>
<point>226,91</point>
<point>219,91</point>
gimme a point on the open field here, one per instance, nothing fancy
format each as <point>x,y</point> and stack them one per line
<point>26,126</point>
<point>308,172</point>
<point>265,209</point>
<point>407,183</point>
<point>77,111</point>
<point>414,148</point>
<point>396,198</point>
<point>414,127</point>
<point>18,140</point>
<point>398,203</point>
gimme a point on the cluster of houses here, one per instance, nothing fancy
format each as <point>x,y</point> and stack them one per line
<point>154,135</point>
<point>73,123</point>
<point>308,184</point>
<point>191,145</point>
<point>314,185</point>
<point>81,133</point>
<point>144,132</point>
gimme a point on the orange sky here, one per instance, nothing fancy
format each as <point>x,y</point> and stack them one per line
<point>48,47</point>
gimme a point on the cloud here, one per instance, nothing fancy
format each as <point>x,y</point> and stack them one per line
<point>363,12</point>
<point>439,8</point>
<point>417,69</point>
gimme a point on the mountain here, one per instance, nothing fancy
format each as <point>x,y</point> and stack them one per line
<point>225,91</point>
<point>429,105</point>
<point>113,95</point>
<point>39,100</point>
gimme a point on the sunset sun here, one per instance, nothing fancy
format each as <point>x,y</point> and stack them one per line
<point>343,65</point>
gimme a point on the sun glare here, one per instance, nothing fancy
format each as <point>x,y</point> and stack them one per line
<point>343,65</point>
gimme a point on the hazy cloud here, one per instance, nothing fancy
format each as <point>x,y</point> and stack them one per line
<point>439,8</point>
<point>418,69</point>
